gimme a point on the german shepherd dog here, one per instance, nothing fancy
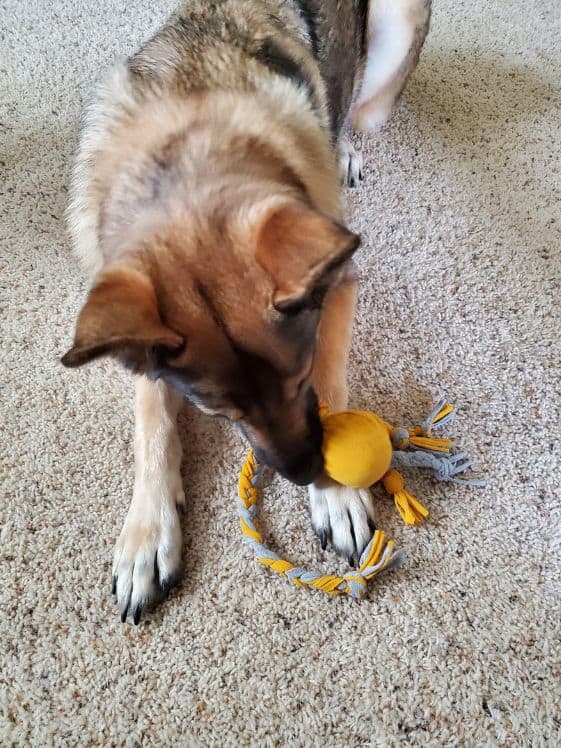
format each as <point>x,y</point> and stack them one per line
<point>205,204</point>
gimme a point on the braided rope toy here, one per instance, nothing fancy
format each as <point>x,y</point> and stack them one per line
<point>360,449</point>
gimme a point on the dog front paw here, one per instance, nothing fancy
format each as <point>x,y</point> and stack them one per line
<point>343,515</point>
<point>147,560</point>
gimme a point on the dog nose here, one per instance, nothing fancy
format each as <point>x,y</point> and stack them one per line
<point>303,467</point>
<point>307,475</point>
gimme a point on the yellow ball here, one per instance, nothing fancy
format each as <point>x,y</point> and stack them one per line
<point>357,448</point>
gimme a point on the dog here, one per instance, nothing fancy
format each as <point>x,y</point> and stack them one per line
<point>205,204</point>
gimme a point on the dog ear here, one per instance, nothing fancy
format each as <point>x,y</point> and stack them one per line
<point>298,246</point>
<point>120,318</point>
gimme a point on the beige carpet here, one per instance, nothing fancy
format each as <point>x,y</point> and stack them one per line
<point>460,294</point>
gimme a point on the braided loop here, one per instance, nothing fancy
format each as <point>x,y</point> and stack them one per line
<point>378,555</point>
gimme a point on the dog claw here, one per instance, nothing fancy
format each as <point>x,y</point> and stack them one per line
<point>136,615</point>
<point>323,539</point>
<point>167,583</point>
<point>124,614</point>
<point>114,586</point>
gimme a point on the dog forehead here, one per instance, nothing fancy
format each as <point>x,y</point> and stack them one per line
<point>221,302</point>
<point>244,338</point>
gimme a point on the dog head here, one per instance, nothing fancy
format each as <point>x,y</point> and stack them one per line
<point>227,311</point>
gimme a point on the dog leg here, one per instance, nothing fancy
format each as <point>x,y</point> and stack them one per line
<point>350,162</point>
<point>395,35</point>
<point>329,375</point>
<point>147,559</point>
<point>344,515</point>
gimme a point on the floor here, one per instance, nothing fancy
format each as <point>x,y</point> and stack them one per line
<point>460,295</point>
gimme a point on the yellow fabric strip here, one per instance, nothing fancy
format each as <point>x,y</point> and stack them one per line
<point>376,550</point>
<point>412,511</point>
<point>249,532</point>
<point>427,442</point>
<point>276,564</point>
<point>246,491</point>
<point>328,583</point>
<point>297,582</point>
<point>446,410</point>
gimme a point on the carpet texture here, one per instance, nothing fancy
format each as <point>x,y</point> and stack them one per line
<point>459,295</point>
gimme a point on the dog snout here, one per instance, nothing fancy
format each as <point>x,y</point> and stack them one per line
<point>302,464</point>
<point>299,457</point>
<point>290,442</point>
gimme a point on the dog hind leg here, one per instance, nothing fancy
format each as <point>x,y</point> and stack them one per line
<point>396,31</point>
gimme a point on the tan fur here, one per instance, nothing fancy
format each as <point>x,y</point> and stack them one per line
<point>121,310</point>
<point>334,341</point>
<point>280,251</point>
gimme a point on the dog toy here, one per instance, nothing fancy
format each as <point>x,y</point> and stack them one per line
<point>360,449</point>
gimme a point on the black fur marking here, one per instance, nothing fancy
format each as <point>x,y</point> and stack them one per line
<point>210,305</point>
<point>277,60</point>
<point>353,535</point>
<point>280,62</point>
<point>156,569</point>
<point>336,31</point>
<point>308,11</point>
